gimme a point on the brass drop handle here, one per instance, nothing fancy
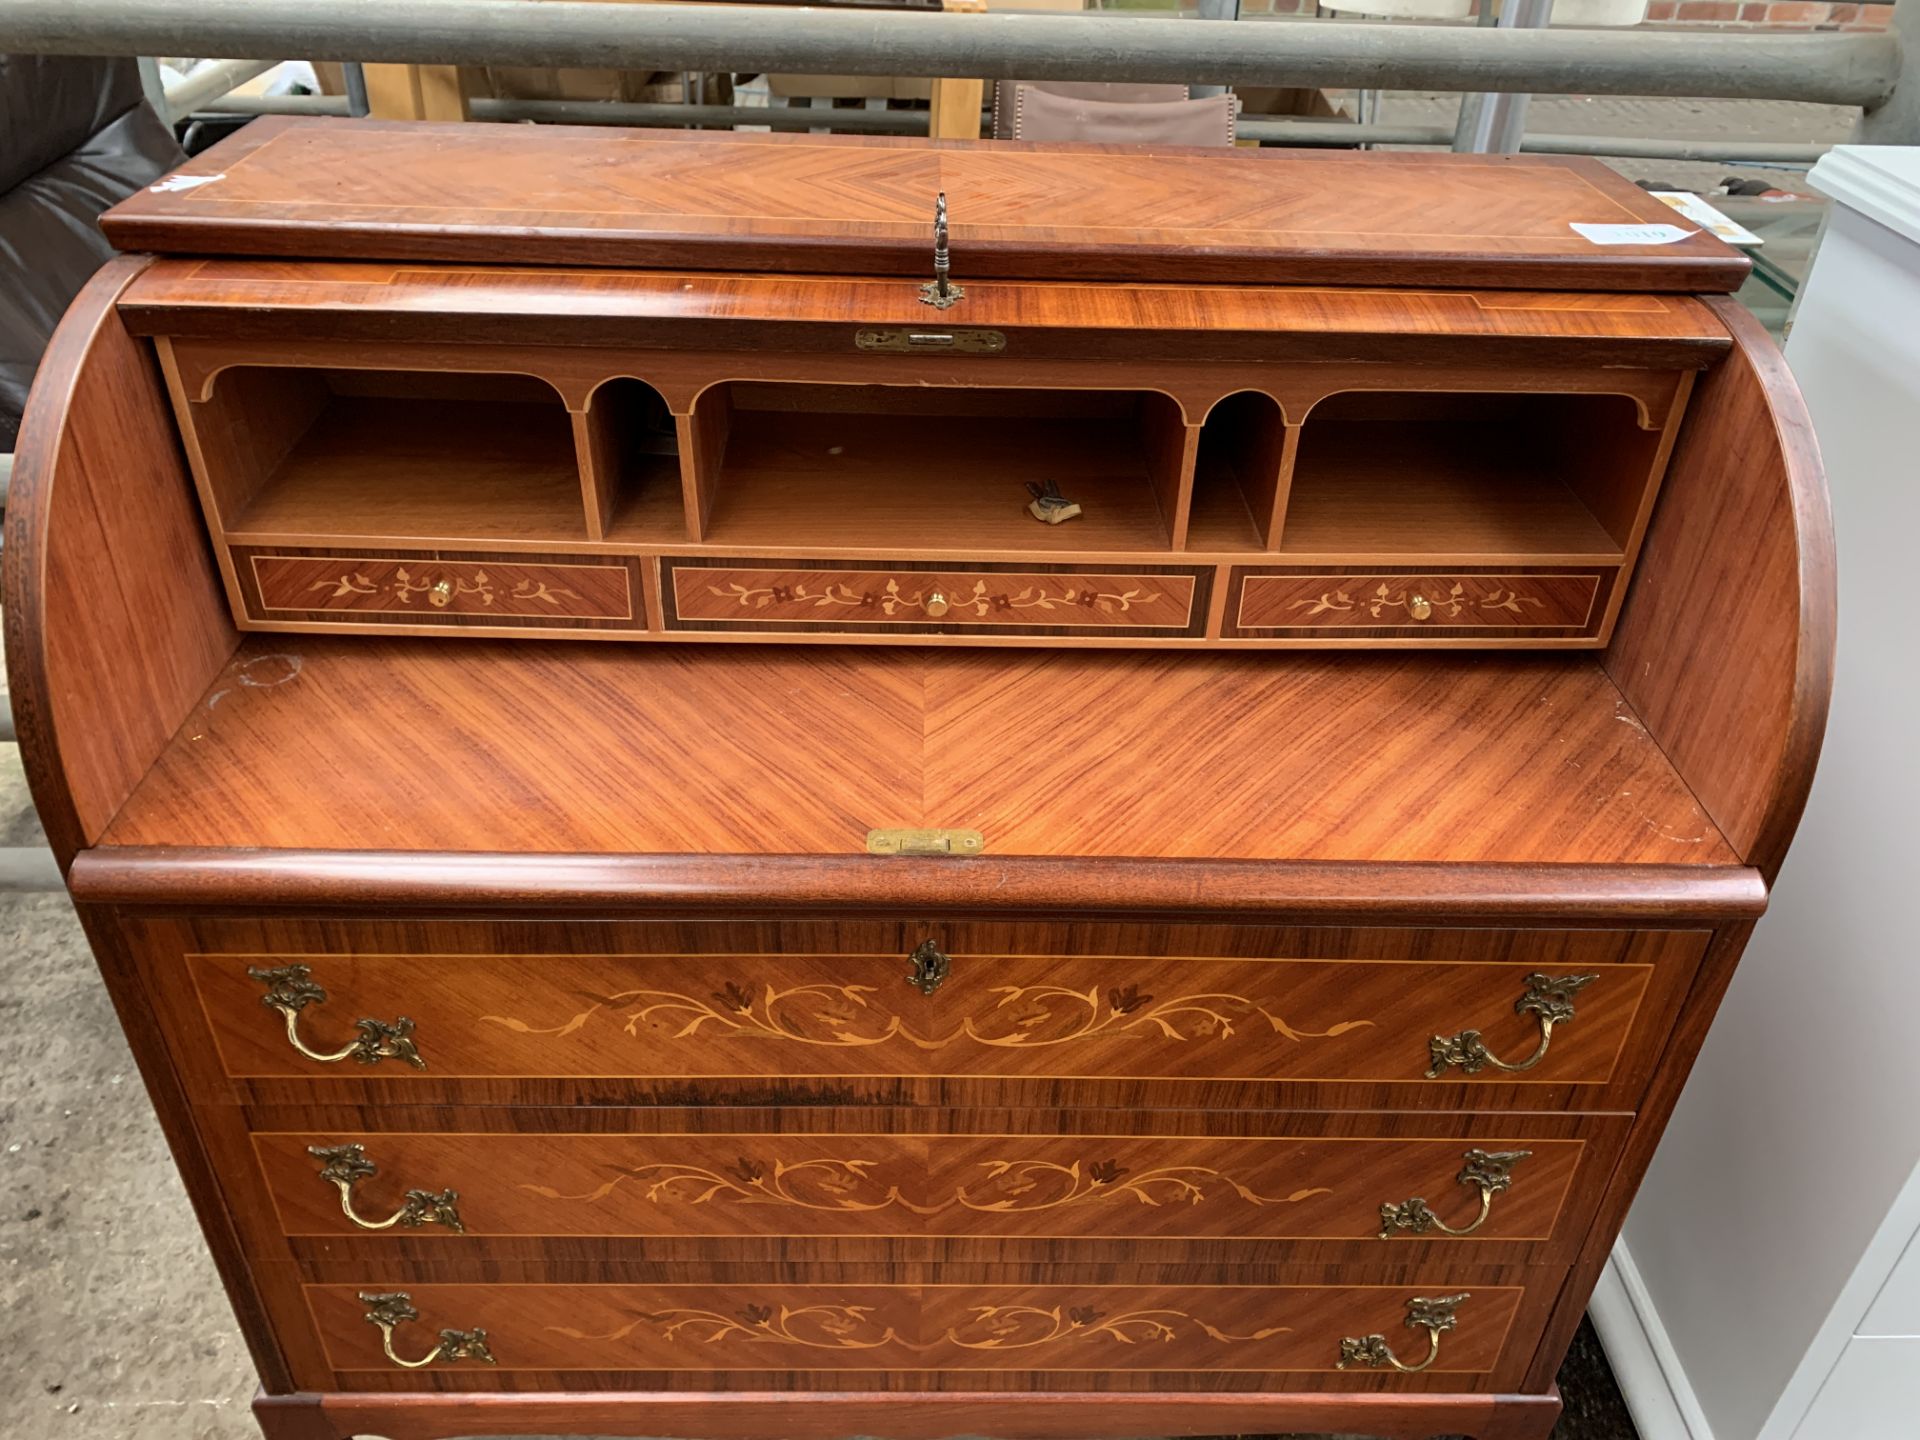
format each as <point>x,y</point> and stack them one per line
<point>345,1166</point>
<point>936,604</point>
<point>290,989</point>
<point>1419,607</point>
<point>388,1311</point>
<point>930,966</point>
<point>1434,1315</point>
<point>1488,1171</point>
<point>1548,1000</point>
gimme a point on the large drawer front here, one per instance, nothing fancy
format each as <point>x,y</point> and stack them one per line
<point>798,1015</point>
<point>1033,1327</point>
<point>1498,1186</point>
<point>440,589</point>
<point>1003,599</point>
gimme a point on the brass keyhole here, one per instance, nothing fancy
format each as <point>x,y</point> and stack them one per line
<point>931,966</point>
<point>1419,607</point>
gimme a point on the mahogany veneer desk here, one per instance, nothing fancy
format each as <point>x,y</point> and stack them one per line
<point>1353,816</point>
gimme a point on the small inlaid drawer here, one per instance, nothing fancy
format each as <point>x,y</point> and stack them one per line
<point>926,1016</point>
<point>1359,1334</point>
<point>1003,599</point>
<point>1494,1183</point>
<point>436,588</point>
<point>1265,602</point>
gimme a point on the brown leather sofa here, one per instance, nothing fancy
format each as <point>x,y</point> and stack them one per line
<point>76,135</point>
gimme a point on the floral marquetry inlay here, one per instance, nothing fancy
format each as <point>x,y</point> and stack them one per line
<point>1016,1186</point>
<point>824,1184</point>
<point>986,597</point>
<point>1411,602</point>
<point>856,1327</point>
<point>891,599</point>
<point>831,1015</point>
<point>1027,1327</point>
<point>440,592</point>
<point>1024,1186</point>
<point>1290,601</point>
<point>1019,1017</point>
<point>817,1327</point>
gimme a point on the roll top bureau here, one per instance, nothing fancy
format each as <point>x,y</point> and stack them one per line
<point>1198,740</point>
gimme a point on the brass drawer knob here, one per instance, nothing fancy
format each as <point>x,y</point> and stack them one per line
<point>389,1311</point>
<point>1419,607</point>
<point>290,989</point>
<point>1548,1000</point>
<point>936,604</point>
<point>1488,1171</point>
<point>1434,1315</point>
<point>345,1166</point>
<point>930,966</point>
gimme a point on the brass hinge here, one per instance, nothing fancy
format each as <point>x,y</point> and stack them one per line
<point>925,842</point>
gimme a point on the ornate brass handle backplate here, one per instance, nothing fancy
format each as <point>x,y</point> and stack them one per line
<point>345,1166</point>
<point>1434,1315</point>
<point>1548,1000</point>
<point>389,1311</point>
<point>290,989</point>
<point>1489,1171</point>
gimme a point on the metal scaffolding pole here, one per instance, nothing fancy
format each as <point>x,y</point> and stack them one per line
<point>1317,134</point>
<point>1833,69</point>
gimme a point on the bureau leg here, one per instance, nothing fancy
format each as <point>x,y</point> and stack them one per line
<point>1533,1420</point>
<point>294,1417</point>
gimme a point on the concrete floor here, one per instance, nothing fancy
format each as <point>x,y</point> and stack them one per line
<point>113,1325</point>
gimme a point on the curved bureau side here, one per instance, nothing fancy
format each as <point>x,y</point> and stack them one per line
<point>1725,651</point>
<point>115,624</point>
<point>1725,646</point>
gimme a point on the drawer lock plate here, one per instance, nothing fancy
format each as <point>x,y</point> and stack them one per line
<point>931,342</point>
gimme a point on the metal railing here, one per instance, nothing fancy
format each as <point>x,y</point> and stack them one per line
<point>1309,134</point>
<point>1824,68</point>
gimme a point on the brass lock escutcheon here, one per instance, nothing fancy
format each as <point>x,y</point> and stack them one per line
<point>931,342</point>
<point>1489,1171</point>
<point>345,1166</point>
<point>391,1310</point>
<point>1434,1315</point>
<point>1548,1000</point>
<point>291,988</point>
<point>929,967</point>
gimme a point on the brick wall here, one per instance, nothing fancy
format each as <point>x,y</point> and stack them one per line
<point>1719,14</point>
<point>1778,15</point>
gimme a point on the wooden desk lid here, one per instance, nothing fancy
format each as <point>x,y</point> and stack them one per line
<point>366,189</point>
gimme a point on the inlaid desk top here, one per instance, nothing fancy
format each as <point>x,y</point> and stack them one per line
<point>364,189</point>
